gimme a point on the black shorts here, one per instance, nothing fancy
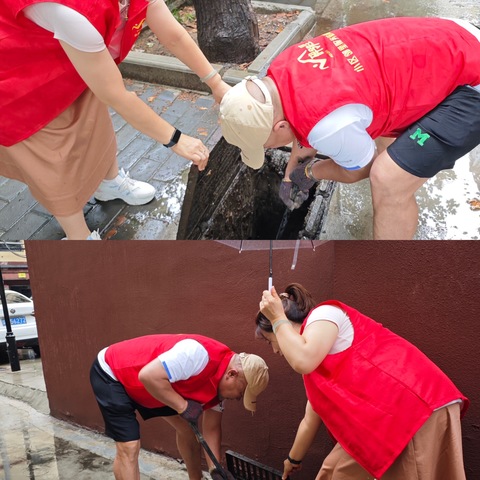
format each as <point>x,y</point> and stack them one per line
<point>118,409</point>
<point>441,137</point>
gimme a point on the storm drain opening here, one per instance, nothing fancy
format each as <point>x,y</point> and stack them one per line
<point>228,200</point>
<point>243,468</point>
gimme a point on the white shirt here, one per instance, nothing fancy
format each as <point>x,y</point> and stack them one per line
<point>336,315</point>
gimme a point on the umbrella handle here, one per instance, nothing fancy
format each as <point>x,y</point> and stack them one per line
<point>208,450</point>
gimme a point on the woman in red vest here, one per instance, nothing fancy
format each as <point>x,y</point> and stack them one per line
<point>393,413</point>
<point>58,76</point>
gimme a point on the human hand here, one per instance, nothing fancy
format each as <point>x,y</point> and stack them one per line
<point>289,468</point>
<point>192,412</point>
<point>285,192</point>
<point>192,149</point>
<point>299,177</point>
<point>271,305</point>
<point>216,475</point>
<point>290,195</point>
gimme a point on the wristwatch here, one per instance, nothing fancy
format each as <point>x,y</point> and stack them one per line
<point>174,140</point>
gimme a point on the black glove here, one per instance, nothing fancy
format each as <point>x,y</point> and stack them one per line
<point>216,475</point>
<point>299,178</point>
<point>290,195</point>
<point>285,193</point>
<point>192,412</point>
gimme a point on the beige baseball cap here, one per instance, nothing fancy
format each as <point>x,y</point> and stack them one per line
<point>256,373</point>
<point>246,122</point>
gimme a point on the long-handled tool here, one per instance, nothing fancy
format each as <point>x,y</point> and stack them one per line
<point>205,446</point>
<point>270,272</point>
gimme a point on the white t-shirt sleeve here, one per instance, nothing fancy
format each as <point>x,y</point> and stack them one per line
<point>184,360</point>
<point>342,136</point>
<point>67,25</point>
<point>336,315</point>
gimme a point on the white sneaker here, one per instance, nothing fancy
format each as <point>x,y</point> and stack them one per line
<point>130,191</point>
<point>93,236</point>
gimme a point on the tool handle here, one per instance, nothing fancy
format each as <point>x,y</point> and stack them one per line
<point>208,450</point>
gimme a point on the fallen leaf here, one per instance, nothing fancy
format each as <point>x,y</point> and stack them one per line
<point>474,203</point>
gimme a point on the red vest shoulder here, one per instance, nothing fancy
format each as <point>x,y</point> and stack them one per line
<point>37,80</point>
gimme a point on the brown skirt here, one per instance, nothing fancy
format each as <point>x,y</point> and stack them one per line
<point>64,163</point>
<point>435,452</point>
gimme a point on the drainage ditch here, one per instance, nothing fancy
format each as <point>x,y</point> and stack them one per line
<point>231,201</point>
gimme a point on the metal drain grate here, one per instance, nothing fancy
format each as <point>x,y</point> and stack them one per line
<point>243,468</point>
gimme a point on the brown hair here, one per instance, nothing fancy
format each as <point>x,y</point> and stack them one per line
<point>297,303</point>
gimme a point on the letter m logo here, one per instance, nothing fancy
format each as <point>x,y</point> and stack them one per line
<point>420,137</point>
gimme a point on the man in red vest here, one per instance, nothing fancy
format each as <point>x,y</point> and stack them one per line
<point>177,377</point>
<point>394,414</point>
<point>396,100</point>
<point>58,76</point>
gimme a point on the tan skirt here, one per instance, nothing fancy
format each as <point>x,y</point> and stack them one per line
<point>435,452</point>
<point>64,163</point>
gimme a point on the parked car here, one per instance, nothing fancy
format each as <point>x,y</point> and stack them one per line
<point>22,319</point>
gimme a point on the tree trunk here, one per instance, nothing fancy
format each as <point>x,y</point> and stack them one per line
<point>227,30</point>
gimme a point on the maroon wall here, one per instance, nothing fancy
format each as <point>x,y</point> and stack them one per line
<point>90,294</point>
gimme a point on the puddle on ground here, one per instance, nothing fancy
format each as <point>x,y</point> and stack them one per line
<point>30,454</point>
<point>445,211</point>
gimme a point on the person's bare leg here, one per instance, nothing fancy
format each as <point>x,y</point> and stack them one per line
<point>383,143</point>
<point>125,465</point>
<point>188,446</point>
<point>113,170</point>
<point>74,226</point>
<point>395,209</point>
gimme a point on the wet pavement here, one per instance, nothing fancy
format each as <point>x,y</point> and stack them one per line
<point>34,445</point>
<point>445,211</point>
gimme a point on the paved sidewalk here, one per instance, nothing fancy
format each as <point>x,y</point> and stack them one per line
<point>35,445</point>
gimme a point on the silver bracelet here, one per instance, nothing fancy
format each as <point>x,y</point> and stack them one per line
<point>308,170</point>
<point>276,325</point>
<point>209,76</point>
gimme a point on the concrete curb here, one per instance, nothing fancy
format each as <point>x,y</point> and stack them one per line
<point>170,71</point>
<point>34,397</point>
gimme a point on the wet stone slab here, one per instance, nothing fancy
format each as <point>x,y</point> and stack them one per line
<point>34,445</point>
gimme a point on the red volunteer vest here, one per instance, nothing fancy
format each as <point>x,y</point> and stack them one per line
<point>374,396</point>
<point>399,67</point>
<point>127,358</point>
<point>37,80</point>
